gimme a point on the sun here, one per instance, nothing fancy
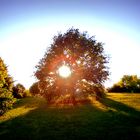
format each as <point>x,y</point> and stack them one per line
<point>64,71</point>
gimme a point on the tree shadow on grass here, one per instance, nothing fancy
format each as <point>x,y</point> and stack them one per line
<point>120,108</point>
<point>71,123</point>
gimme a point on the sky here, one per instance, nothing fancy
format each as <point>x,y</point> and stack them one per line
<point>27,28</point>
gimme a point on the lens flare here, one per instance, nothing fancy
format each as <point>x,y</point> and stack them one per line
<point>64,71</point>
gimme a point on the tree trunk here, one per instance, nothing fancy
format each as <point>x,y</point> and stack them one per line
<point>73,97</point>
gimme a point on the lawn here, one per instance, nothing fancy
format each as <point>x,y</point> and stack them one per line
<point>117,117</point>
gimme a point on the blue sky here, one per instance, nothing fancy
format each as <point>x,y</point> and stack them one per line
<point>28,26</point>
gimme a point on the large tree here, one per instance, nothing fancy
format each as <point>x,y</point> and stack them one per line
<point>6,85</point>
<point>86,60</point>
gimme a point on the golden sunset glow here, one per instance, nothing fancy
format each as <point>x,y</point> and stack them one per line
<point>64,71</point>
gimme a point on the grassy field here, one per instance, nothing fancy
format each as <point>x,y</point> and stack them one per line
<point>117,117</point>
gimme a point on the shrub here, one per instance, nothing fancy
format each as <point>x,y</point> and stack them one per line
<point>6,100</point>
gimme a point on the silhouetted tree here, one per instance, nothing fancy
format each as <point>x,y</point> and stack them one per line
<point>86,59</point>
<point>6,85</point>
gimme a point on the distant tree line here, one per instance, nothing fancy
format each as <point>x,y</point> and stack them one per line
<point>128,83</point>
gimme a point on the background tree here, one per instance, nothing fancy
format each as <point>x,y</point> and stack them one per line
<point>6,85</point>
<point>86,59</point>
<point>19,91</point>
<point>128,83</point>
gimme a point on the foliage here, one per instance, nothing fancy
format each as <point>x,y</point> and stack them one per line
<point>85,57</point>
<point>128,83</point>
<point>27,93</point>
<point>19,91</point>
<point>34,89</point>
<point>86,88</point>
<point>6,85</point>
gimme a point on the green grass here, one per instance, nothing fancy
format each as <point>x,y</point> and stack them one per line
<point>117,117</point>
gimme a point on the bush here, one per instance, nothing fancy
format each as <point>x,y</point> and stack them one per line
<point>6,100</point>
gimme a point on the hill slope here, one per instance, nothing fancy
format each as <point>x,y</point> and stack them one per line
<point>113,118</point>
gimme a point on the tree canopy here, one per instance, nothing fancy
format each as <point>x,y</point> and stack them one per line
<point>83,55</point>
